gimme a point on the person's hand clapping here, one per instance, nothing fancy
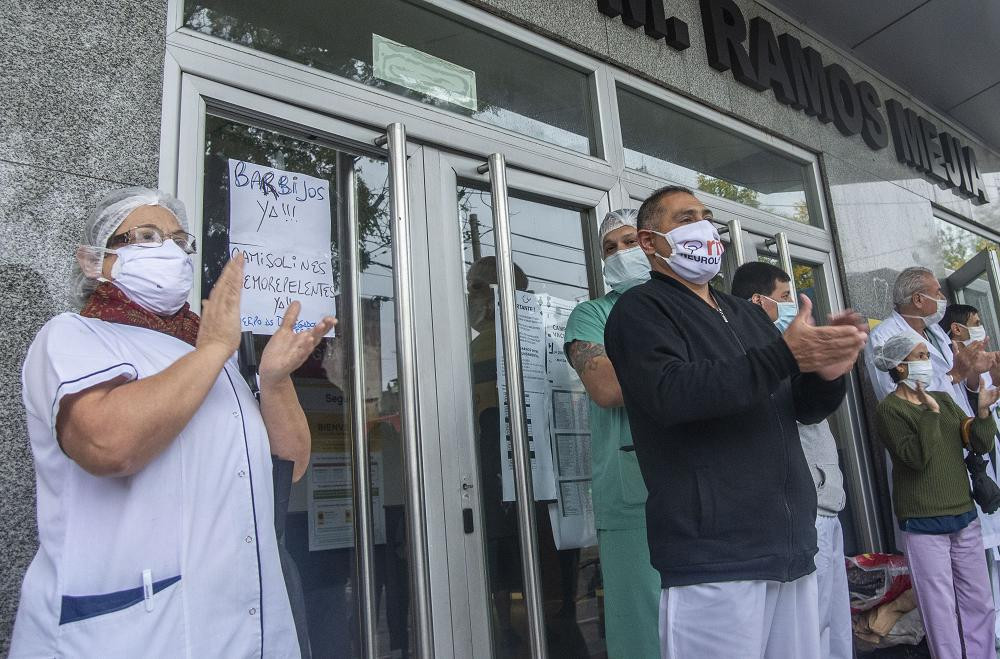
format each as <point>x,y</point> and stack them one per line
<point>286,350</point>
<point>828,351</point>
<point>220,313</point>
<point>995,367</point>
<point>987,397</point>
<point>926,399</point>
<point>971,360</point>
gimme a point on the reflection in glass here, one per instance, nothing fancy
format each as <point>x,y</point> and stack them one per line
<point>315,524</point>
<point>958,245</point>
<point>670,144</point>
<point>416,52</point>
<point>550,270</point>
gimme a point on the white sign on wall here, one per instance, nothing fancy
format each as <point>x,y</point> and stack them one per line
<point>280,220</point>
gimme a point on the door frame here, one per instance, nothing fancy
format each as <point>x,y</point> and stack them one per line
<point>986,262</point>
<point>443,173</point>
<point>200,96</point>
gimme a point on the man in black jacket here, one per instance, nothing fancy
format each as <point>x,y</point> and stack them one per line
<point>713,391</point>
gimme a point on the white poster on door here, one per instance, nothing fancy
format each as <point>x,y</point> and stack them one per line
<point>331,502</point>
<point>281,222</point>
<point>572,514</point>
<point>532,344</point>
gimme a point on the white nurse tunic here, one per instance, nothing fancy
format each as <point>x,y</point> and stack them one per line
<point>178,560</point>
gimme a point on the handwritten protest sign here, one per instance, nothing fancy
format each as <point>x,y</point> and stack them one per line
<point>281,222</point>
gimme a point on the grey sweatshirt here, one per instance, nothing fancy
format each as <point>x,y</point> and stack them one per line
<point>820,449</point>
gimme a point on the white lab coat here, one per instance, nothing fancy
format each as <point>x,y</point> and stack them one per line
<point>941,360</point>
<point>199,518</point>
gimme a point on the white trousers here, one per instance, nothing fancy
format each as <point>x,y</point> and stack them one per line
<point>741,620</point>
<point>835,634</point>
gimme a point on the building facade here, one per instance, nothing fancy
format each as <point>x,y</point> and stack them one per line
<point>452,139</point>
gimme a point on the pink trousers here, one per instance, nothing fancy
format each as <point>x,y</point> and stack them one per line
<point>950,576</point>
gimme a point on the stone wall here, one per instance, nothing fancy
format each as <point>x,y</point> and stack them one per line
<point>79,115</point>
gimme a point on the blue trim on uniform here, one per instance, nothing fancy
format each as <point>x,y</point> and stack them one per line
<point>103,370</point>
<point>62,384</point>
<point>80,607</point>
<point>253,506</point>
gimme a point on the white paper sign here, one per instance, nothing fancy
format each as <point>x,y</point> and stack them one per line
<point>331,504</point>
<point>572,515</point>
<point>532,336</point>
<point>281,222</point>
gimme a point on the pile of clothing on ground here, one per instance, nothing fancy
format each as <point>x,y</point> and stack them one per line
<point>883,605</point>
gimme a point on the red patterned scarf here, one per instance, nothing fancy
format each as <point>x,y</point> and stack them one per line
<point>109,303</point>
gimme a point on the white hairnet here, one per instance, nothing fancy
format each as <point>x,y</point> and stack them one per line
<point>623,217</point>
<point>105,219</point>
<point>118,204</point>
<point>893,352</point>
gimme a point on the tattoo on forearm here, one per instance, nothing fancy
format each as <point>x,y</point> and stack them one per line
<point>583,355</point>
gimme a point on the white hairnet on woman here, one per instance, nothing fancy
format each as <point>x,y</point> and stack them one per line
<point>102,222</point>
<point>153,458</point>
<point>893,352</point>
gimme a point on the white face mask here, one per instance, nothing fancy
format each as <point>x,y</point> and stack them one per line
<point>626,268</point>
<point>696,251</point>
<point>935,317</point>
<point>919,372</point>
<point>975,333</point>
<point>156,278</point>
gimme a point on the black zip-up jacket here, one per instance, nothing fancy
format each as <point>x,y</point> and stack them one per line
<point>712,399</point>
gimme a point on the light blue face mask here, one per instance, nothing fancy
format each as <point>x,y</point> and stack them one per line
<point>626,268</point>
<point>786,313</point>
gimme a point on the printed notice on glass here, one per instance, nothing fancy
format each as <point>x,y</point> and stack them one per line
<point>280,220</point>
<point>572,515</point>
<point>331,504</point>
<point>329,496</point>
<point>532,343</point>
<point>423,73</point>
<point>555,315</point>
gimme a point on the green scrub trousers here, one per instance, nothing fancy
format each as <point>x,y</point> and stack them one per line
<point>631,594</point>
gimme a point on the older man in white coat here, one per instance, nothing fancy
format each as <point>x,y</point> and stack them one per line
<point>919,307</point>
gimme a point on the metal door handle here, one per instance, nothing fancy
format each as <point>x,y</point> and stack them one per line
<point>518,422</point>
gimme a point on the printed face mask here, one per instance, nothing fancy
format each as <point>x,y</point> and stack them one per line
<point>975,333</point>
<point>696,251</point>
<point>156,278</point>
<point>919,372</point>
<point>626,268</point>
<point>786,313</point>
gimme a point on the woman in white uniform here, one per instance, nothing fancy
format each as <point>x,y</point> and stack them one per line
<point>153,458</point>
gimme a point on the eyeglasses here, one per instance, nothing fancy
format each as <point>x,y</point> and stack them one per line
<point>148,235</point>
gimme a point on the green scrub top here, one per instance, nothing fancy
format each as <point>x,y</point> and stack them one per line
<point>618,490</point>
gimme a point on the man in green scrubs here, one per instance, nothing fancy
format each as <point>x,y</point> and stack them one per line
<point>631,585</point>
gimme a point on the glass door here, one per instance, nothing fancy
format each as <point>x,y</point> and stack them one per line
<point>320,210</point>
<point>977,283</point>
<point>515,259</point>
